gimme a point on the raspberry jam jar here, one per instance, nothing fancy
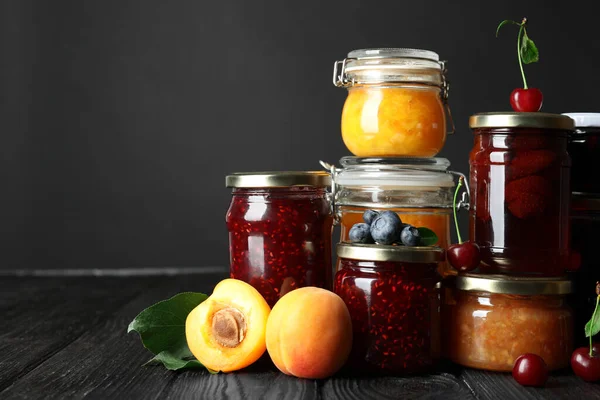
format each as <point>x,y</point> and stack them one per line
<point>396,104</point>
<point>584,148</point>
<point>490,320</point>
<point>520,172</point>
<point>279,227</point>
<point>393,301</point>
<point>419,190</point>
<point>585,223</point>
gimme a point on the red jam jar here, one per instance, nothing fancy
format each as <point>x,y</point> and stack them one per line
<point>393,301</point>
<point>520,173</point>
<point>280,227</point>
<point>584,148</point>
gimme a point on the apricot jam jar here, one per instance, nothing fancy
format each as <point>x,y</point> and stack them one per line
<point>279,227</point>
<point>419,190</point>
<point>393,301</point>
<point>585,223</point>
<point>520,173</point>
<point>396,104</point>
<point>584,148</point>
<point>490,320</point>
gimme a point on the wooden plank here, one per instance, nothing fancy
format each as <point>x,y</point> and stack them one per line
<point>105,362</point>
<point>494,385</point>
<point>438,386</point>
<point>49,315</point>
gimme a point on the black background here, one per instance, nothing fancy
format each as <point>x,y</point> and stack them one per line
<point>120,119</point>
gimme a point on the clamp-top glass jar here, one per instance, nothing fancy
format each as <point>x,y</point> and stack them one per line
<point>396,104</point>
<point>280,231</point>
<point>520,173</point>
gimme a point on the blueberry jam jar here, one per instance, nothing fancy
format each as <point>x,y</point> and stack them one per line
<point>280,227</point>
<point>391,293</point>
<point>520,192</point>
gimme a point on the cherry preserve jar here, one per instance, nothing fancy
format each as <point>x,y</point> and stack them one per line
<point>393,301</point>
<point>280,231</point>
<point>584,148</point>
<point>520,173</point>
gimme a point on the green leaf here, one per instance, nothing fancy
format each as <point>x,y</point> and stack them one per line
<point>529,51</point>
<point>428,237</point>
<point>162,330</point>
<point>506,21</point>
<point>593,325</point>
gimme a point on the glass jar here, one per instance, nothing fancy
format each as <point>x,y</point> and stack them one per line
<point>396,104</point>
<point>419,190</point>
<point>280,226</point>
<point>585,222</point>
<point>584,147</point>
<point>490,320</point>
<point>391,294</point>
<point>519,212</point>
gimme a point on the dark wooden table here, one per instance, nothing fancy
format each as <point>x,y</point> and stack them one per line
<point>65,337</point>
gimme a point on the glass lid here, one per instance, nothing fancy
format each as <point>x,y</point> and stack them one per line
<point>395,172</point>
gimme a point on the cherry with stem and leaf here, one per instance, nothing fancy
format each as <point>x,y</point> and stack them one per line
<point>524,99</point>
<point>585,361</point>
<point>463,256</point>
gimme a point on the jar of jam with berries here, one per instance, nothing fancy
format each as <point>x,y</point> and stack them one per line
<point>419,190</point>
<point>520,172</point>
<point>393,301</point>
<point>396,104</point>
<point>584,148</point>
<point>490,320</point>
<point>585,224</point>
<point>280,226</point>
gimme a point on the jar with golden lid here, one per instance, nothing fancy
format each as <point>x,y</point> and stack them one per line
<point>396,104</point>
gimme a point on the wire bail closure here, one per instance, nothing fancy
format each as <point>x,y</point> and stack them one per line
<point>333,171</point>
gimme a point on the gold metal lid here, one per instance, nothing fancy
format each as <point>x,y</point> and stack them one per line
<point>505,284</point>
<point>379,252</point>
<point>521,120</point>
<point>278,179</point>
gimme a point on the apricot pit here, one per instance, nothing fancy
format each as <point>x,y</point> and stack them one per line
<point>226,332</point>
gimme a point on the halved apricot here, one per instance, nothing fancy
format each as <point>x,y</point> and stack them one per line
<point>309,333</point>
<point>226,332</point>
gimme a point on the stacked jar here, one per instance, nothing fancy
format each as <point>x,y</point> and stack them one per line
<point>519,217</point>
<point>394,122</point>
<point>584,147</point>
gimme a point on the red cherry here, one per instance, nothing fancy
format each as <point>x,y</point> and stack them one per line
<point>530,370</point>
<point>585,366</point>
<point>526,100</point>
<point>464,257</point>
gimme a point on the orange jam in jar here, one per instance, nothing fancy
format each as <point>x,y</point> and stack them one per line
<point>490,320</point>
<point>419,190</point>
<point>396,104</point>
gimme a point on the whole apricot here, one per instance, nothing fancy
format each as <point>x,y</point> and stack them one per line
<point>226,332</point>
<point>309,333</point>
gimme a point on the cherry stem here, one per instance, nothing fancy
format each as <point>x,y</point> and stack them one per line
<point>592,323</point>
<point>460,181</point>
<point>521,30</point>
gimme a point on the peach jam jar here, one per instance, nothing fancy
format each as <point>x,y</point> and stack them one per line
<point>393,301</point>
<point>396,104</point>
<point>490,320</point>
<point>584,148</point>
<point>279,227</point>
<point>520,174</point>
<point>419,190</point>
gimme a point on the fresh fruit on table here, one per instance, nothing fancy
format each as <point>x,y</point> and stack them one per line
<point>530,370</point>
<point>464,256</point>
<point>410,236</point>
<point>524,99</point>
<point>585,361</point>
<point>386,228</point>
<point>360,233</point>
<point>309,333</point>
<point>226,332</point>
